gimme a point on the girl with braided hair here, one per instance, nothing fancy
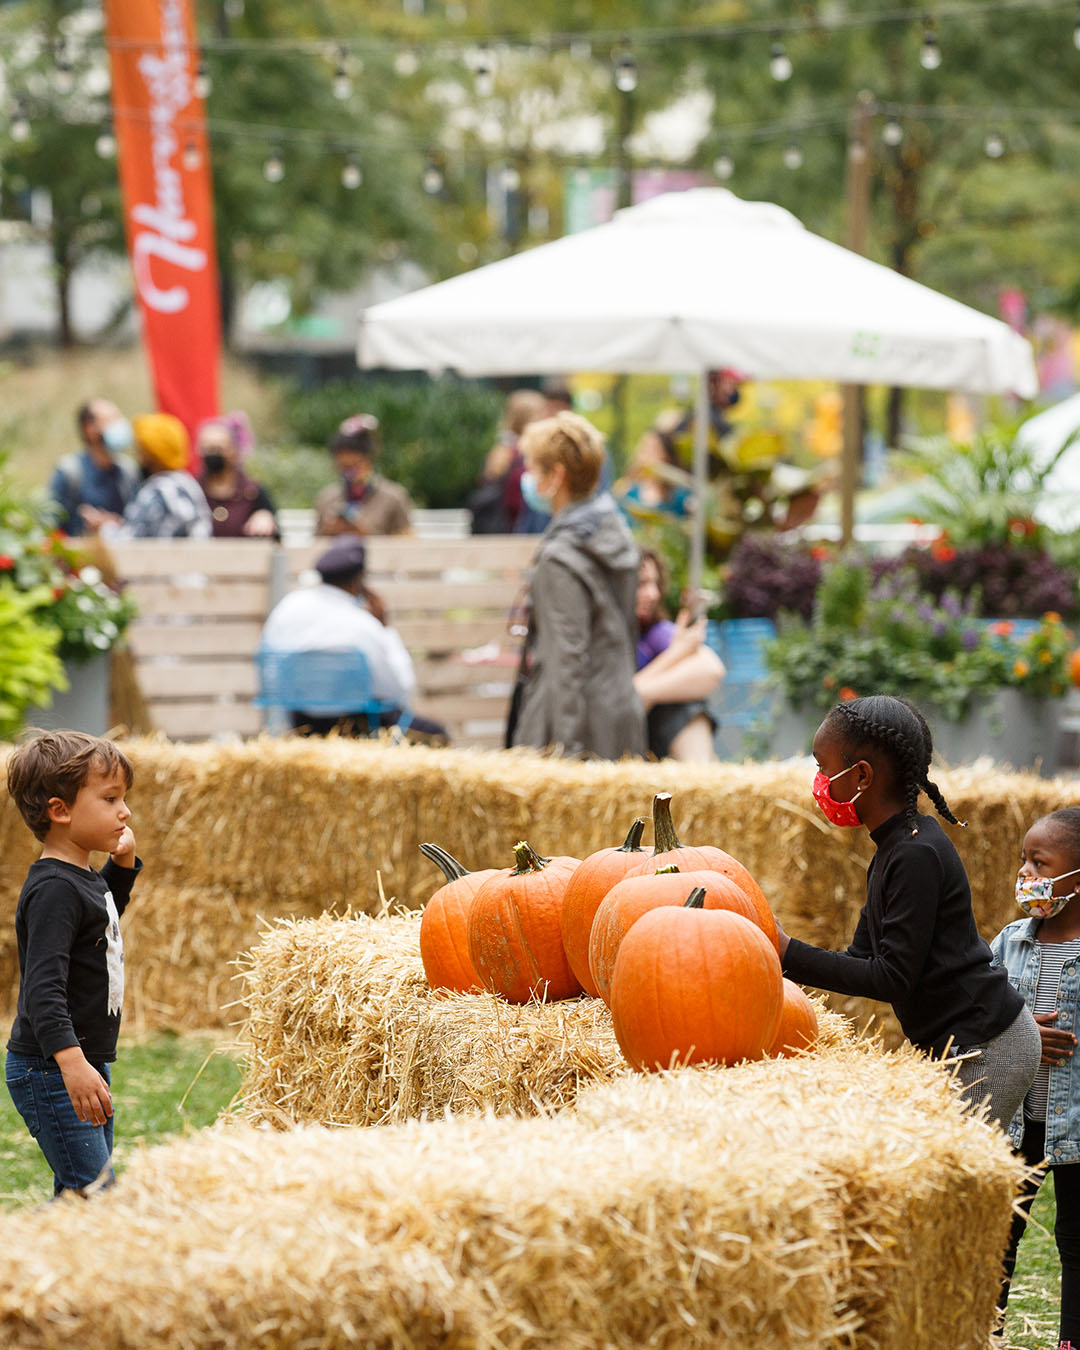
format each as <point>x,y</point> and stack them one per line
<point>916,945</point>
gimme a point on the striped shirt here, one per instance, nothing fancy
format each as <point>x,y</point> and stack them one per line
<point>1053,957</point>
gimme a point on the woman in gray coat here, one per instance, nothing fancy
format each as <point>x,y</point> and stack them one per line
<point>577,692</point>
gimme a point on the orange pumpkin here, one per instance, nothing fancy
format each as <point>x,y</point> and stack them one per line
<point>444,945</point>
<point>627,901</point>
<point>694,985</point>
<point>588,886</point>
<point>515,930</point>
<point>687,858</point>
<point>798,1022</point>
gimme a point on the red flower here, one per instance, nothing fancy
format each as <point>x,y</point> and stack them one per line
<point>820,552</point>
<point>1002,628</point>
<point>847,694</point>
<point>7,562</point>
<point>57,592</point>
<point>942,552</point>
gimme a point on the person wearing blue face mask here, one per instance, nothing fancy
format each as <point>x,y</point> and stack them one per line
<point>1041,953</point>
<point>101,475</point>
<point>575,690</point>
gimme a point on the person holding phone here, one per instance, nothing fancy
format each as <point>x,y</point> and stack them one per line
<point>676,671</point>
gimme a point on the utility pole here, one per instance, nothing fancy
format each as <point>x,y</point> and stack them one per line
<point>857,191</point>
<point>624,196</point>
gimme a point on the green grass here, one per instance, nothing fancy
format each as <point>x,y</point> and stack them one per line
<point>153,1077</point>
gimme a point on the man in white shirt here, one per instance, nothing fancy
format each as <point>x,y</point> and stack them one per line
<point>341,615</point>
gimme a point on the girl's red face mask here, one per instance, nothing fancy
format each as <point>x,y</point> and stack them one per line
<point>839,813</point>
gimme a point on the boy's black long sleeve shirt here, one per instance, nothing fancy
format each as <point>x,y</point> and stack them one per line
<point>916,945</point>
<point>70,958</point>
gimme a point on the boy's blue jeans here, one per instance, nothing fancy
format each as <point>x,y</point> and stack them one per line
<point>77,1151</point>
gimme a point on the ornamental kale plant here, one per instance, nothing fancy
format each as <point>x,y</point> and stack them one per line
<point>887,637</point>
<point>766,575</point>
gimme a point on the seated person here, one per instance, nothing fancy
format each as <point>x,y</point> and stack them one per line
<point>676,674</point>
<point>340,614</point>
<point>170,504</point>
<point>646,489</point>
<point>240,507</point>
<point>100,475</point>
<point>361,501</point>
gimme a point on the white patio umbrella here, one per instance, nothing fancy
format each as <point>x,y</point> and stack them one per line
<point>1044,435</point>
<point>687,282</point>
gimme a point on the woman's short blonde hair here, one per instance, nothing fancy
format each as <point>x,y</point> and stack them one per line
<point>566,439</point>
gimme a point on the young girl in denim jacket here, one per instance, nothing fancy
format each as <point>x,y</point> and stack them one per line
<point>1041,953</point>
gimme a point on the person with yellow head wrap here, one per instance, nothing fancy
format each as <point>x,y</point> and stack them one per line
<point>170,504</point>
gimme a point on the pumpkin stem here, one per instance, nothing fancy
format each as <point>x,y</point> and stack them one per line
<point>633,839</point>
<point>527,859</point>
<point>664,837</point>
<point>450,865</point>
<point>696,899</point>
<point>666,871</point>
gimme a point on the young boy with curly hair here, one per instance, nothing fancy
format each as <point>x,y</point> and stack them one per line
<point>69,788</point>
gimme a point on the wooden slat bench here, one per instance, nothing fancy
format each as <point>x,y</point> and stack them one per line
<point>202,606</point>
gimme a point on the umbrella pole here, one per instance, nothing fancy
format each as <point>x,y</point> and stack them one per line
<point>700,467</point>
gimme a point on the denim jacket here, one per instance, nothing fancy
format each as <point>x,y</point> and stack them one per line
<point>1017,949</point>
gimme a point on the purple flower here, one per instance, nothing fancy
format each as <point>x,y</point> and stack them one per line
<point>970,639</point>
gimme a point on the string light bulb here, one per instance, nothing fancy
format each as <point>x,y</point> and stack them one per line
<point>202,84</point>
<point>994,145</point>
<point>511,179</point>
<point>723,167</point>
<point>625,69</point>
<point>484,71</point>
<point>20,123</point>
<point>930,51</point>
<point>342,85</point>
<point>274,166</point>
<point>432,181</point>
<point>351,175</point>
<point>780,67</point>
<point>892,133</point>
<point>1076,31</point>
<point>105,145</point>
<point>64,76</point>
<point>191,158</point>
<point>406,62</point>
<point>793,156</point>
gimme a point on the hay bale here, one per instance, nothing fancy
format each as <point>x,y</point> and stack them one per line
<point>343,1029</point>
<point>798,1205</point>
<point>271,828</point>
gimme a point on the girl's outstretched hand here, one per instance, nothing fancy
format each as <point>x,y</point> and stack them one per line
<point>1057,1044</point>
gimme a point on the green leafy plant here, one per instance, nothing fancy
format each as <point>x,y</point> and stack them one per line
<point>982,493</point>
<point>30,668</point>
<point>70,595</point>
<point>886,637</point>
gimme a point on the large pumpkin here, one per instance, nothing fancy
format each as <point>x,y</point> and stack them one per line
<point>690,858</point>
<point>694,985</point>
<point>444,941</point>
<point>515,929</point>
<point>798,1028</point>
<point>588,886</point>
<point>627,901</point>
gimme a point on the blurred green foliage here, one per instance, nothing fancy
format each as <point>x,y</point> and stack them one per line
<point>435,433</point>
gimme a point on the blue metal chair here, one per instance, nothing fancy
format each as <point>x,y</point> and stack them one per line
<point>744,697</point>
<point>324,684</point>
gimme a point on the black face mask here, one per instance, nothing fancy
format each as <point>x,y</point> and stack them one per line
<point>214,463</point>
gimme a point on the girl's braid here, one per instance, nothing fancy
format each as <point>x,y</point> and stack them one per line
<point>906,737</point>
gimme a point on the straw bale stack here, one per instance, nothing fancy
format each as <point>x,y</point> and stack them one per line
<point>343,1029</point>
<point>843,1201</point>
<point>274,828</point>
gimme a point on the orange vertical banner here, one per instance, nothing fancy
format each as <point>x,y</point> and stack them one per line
<point>168,202</point>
